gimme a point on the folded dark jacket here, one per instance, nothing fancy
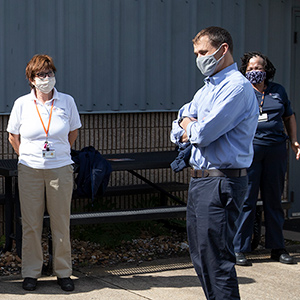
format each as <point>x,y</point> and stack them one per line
<point>93,172</point>
<point>182,159</point>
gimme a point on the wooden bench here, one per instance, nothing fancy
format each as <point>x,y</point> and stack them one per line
<point>130,162</point>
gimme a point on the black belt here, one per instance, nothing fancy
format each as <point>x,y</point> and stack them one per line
<point>219,173</point>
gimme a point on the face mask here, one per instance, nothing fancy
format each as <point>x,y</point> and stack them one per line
<point>45,85</point>
<point>256,76</point>
<point>207,64</point>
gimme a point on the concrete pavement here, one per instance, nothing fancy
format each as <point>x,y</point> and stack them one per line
<point>166,279</point>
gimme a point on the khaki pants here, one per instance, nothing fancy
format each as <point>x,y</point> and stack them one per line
<point>58,184</point>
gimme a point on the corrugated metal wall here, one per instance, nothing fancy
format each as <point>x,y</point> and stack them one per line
<point>131,55</point>
<point>111,55</point>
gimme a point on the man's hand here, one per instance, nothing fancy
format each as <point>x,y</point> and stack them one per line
<point>184,138</point>
<point>185,122</point>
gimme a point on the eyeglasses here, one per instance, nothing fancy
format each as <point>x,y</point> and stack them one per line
<point>44,74</point>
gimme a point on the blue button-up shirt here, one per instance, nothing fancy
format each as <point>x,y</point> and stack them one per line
<point>227,114</point>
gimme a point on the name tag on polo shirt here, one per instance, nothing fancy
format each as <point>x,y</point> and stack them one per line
<point>263,118</point>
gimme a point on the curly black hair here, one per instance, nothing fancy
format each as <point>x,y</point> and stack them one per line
<point>269,67</point>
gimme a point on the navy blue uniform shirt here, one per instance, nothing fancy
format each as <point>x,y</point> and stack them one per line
<point>277,106</point>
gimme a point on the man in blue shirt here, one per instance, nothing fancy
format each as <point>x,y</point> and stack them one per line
<point>220,123</point>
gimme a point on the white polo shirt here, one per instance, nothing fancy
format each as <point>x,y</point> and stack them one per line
<point>24,120</point>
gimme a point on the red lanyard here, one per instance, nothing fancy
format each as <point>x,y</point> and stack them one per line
<point>46,131</point>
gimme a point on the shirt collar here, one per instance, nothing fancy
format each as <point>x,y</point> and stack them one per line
<point>218,77</point>
<point>55,95</point>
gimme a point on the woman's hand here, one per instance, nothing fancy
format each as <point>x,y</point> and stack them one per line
<point>14,140</point>
<point>296,148</point>
<point>291,128</point>
<point>72,137</point>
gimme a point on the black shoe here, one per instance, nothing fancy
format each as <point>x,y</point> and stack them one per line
<point>241,259</point>
<point>282,256</point>
<point>66,284</point>
<point>29,284</point>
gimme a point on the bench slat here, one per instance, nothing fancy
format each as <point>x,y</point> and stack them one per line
<point>125,215</point>
<point>144,188</point>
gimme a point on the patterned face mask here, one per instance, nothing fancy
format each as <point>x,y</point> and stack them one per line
<point>256,76</point>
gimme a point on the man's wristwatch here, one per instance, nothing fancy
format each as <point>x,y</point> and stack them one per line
<point>180,120</point>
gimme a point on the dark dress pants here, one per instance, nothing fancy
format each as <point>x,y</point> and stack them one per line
<point>266,173</point>
<point>214,204</point>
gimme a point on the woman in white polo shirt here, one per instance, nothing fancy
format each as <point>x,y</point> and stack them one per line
<point>42,127</point>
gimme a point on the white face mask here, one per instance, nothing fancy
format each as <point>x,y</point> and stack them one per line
<point>207,64</point>
<point>44,85</point>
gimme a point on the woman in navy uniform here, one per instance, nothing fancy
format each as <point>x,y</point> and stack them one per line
<point>267,172</point>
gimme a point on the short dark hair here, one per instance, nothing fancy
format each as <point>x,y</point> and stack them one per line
<point>269,67</point>
<point>217,37</point>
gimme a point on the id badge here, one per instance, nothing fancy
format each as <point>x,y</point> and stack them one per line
<point>48,154</point>
<point>263,118</point>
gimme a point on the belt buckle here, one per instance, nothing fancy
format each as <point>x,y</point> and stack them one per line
<point>205,173</point>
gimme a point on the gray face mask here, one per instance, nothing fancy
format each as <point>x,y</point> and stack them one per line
<point>207,64</point>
